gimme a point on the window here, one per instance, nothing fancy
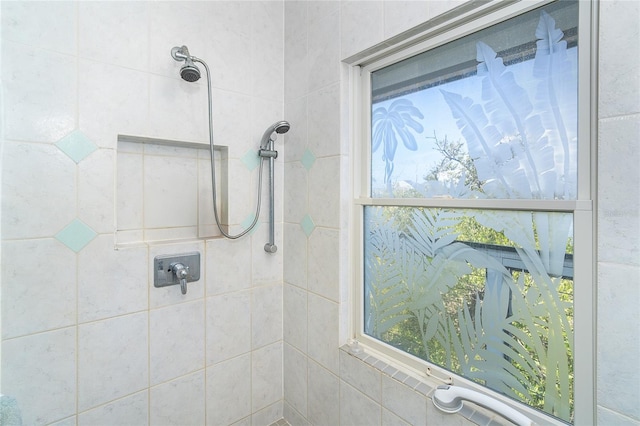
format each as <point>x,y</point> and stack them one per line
<point>473,202</point>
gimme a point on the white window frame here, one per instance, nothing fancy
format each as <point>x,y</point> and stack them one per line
<point>462,21</point>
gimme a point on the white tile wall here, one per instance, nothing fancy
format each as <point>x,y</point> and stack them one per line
<point>266,315</point>
<point>323,343</point>
<point>128,29</point>
<point>228,326</point>
<point>176,340</point>
<point>618,212</point>
<point>36,291</point>
<point>403,402</point>
<point>31,173</point>
<point>44,385</point>
<point>227,265</point>
<point>324,120</point>
<point>114,285</point>
<point>130,190</point>
<point>48,26</point>
<point>266,376</point>
<point>96,195</point>
<point>40,93</point>
<point>180,401</point>
<point>323,263</point>
<point>133,409</point>
<point>170,199</point>
<point>120,347</point>
<point>86,336</point>
<point>401,15</point>
<point>323,45</point>
<point>619,200</point>
<point>266,268</point>
<point>295,381</point>
<point>324,201</point>
<point>112,99</point>
<point>356,408</point>
<point>296,143</point>
<point>361,376</point>
<point>228,390</point>
<point>323,396</point>
<point>619,80</point>
<point>265,416</point>
<point>356,15</point>
<point>297,181</point>
<point>295,317</point>
<point>295,241</point>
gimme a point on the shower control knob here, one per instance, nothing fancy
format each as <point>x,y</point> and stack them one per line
<point>270,248</point>
<point>172,269</point>
<point>181,272</point>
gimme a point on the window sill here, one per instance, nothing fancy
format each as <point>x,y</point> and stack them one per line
<point>422,385</point>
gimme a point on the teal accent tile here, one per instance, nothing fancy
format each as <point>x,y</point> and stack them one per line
<point>307,225</point>
<point>246,223</point>
<point>251,160</point>
<point>76,145</point>
<point>76,235</point>
<point>308,159</point>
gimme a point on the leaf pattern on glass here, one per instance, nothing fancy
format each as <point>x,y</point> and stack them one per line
<point>393,124</point>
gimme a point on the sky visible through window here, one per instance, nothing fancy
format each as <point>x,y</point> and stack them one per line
<point>410,167</point>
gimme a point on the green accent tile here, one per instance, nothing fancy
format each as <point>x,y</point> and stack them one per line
<point>251,160</point>
<point>307,225</point>
<point>308,159</point>
<point>246,223</point>
<point>76,235</point>
<point>76,145</point>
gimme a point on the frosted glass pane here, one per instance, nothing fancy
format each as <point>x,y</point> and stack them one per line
<point>485,294</point>
<point>492,115</point>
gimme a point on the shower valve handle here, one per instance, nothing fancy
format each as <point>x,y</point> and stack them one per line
<point>181,272</point>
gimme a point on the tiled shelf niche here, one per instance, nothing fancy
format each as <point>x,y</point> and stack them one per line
<point>163,190</point>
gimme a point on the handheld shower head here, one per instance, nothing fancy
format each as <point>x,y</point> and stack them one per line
<point>189,72</point>
<point>279,127</point>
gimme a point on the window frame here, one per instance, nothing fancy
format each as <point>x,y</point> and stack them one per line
<point>464,20</point>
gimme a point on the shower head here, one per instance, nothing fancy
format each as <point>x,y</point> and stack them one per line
<point>279,127</point>
<point>189,72</point>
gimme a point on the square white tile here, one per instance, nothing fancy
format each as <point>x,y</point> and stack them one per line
<point>112,359</point>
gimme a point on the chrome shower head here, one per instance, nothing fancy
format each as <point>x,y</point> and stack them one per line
<point>189,72</point>
<point>279,127</point>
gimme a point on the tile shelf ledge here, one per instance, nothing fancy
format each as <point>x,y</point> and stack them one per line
<point>157,243</point>
<point>166,142</point>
